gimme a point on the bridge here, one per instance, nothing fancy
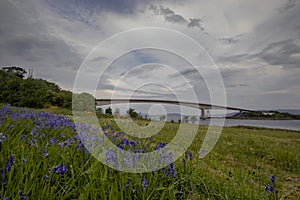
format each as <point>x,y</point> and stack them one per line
<point>201,106</point>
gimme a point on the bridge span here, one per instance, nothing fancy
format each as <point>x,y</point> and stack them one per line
<point>201,106</point>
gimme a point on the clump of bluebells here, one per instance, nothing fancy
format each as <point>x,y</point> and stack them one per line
<point>270,187</point>
<point>80,138</point>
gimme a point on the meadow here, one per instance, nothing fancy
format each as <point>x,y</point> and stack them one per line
<point>43,157</point>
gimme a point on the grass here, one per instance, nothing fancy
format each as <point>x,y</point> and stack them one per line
<point>239,167</point>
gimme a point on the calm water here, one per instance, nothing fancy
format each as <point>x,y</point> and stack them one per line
<point>282,124</point>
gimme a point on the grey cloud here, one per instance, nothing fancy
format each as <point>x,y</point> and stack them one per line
<point>118,6</point>
<point>288,5</point>
<point>172,17</point>
<point>231,40</point>
<point>236,85</point>
<point>175,18</point>
<point>277,53</point>
<point>195,22</point>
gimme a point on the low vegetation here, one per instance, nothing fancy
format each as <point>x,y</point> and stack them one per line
<point>42,157</point>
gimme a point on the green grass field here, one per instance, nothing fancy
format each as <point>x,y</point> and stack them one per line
<point>41,159</point>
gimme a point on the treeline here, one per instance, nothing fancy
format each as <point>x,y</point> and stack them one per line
<point>261,115</point>
<point>17,90</point>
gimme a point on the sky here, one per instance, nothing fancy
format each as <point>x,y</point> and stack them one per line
<point>254,45</point>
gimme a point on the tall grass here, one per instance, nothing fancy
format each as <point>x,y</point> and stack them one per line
<point>41,157</point>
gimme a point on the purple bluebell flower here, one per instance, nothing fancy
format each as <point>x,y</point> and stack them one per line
<point>23,196</point>
<point>61,144</point>
<point>11,160</point>
<point>2,138</point>
<point>269,188</point>
<point>33,132</point>
<point>45,153</point>
<point>183,161</point>
<point>203,152</point>
<point>188,155</point>
<point>6,198</point>
<point>69,141</point>
<point>52,141</point>
<point>133,190</point>
<point>127,184</point>
<point>4,181</point>
<point>273,179</point>
<point>145,183</point>
<point>59,169</point>
<point>33,142</point>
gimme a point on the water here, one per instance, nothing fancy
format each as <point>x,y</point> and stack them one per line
<point>281,124</point>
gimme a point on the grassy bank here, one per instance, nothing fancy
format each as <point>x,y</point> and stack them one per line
<point>42,157</point>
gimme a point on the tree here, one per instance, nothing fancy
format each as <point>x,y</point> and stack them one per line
<point>108,111</point>
<point>17,71</point>
<point>162,118</point>
<point>185,119</point>
<point>132,113</point>
<point>99,110</point>
<point>193,119</point>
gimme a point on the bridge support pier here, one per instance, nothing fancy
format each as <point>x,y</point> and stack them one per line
<point>203,116</point>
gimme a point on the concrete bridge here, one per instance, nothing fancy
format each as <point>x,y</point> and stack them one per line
<point>202,107</point>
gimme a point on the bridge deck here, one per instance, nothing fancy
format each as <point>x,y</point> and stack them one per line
<point>101,102</point>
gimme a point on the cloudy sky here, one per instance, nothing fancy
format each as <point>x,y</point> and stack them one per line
<point>254,45</point>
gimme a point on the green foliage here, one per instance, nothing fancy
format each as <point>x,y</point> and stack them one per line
<point>17,71</point>
<point>132,113</point>
<point>162,118</point>
<point>83,102</point>
<point>108,111</point>
<point>185,119</point>
<point>193,119</point>
<point>261,115</point>
<point>32,93</point>
<point>237,168</point>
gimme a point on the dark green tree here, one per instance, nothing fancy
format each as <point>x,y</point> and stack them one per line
<point>108,111</point>
<point>17,71</point>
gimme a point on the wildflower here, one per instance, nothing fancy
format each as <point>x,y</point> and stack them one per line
<point>145,183</point>
<point>52,141</point>
<point>133,190</point>
<point>110,156</point>
<point>202,152</point>
<point>23,196</point>
<point>10,163</point>
<point>126,160</point>
<point>11,160</point>
<point>69,141</point>
<point>188,155</point>
<point>183,161</point>
<point>6,198</point>
<point>269,188</point>
<point>45,153</point>
<point>4,181</point>
<point>2,137</point>
<point>127,184</point>
<point>33,132</point>
<point>33,142</point>
<point>59,169</point>
<point>273,179</point>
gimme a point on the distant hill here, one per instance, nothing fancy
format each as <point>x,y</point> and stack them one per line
<point>291,111</point>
